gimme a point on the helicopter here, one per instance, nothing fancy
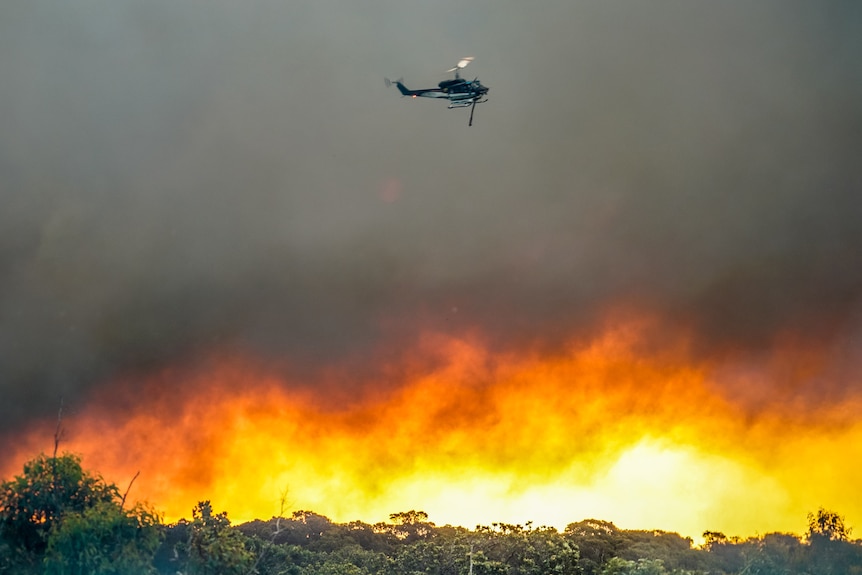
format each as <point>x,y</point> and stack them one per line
<point>460,92</point>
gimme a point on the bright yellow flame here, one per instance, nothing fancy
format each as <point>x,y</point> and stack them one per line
<point>607,430</point>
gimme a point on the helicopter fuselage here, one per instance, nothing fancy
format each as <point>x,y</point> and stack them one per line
<point>457,90</point>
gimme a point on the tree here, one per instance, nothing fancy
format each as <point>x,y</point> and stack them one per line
<point>33,505</point>
<point>104,539</point>
<point>523,550</point>
<point>724,554</point>
<point>827,525</point>
<point>365,536</point>
<point>308,527</point>
<point>410,526</point>
<point>431,558</point>
<point>672,549</point>
<point>829,548</point>
<point>713,539</point>
<point>619,566</point>
<point>213,547</point>
<point>597,541</point>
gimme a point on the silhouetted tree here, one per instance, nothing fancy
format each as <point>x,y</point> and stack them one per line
<point>620,566</point>
<point>827,525</point>
<point>597,542</point>
<point>673,550</point>
<point>409,526</point>
<point>213,547</point>
<point>523,550</point>
<point>829,551</point>
<point>34,509</point>
<point>724,554</point>
<point>104,539</point>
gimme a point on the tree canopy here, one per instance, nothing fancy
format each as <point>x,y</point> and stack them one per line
<point>56,518</point>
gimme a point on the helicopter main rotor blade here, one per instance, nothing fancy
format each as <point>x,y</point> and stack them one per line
<point>461,64</point>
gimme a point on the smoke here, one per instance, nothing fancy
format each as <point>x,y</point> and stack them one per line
<point>179,179</point>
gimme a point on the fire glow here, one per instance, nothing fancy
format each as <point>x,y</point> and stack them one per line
<point>604,430</point>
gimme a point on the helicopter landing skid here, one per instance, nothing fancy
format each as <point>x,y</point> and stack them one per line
<point>465,103</point>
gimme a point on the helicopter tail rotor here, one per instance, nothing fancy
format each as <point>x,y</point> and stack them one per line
<point>399,83</point>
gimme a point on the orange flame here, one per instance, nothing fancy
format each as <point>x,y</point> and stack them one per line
<point>611,429</point>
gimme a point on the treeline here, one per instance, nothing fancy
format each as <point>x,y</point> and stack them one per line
<point>57,518</point>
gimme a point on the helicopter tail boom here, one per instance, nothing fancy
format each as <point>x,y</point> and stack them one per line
<point>401,87</point>
<point>404,89</point>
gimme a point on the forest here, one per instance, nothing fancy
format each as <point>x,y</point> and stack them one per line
<point>58,518</point>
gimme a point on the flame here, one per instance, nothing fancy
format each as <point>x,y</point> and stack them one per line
<point>609,428</point>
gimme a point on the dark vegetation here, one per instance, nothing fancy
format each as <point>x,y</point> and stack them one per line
<point>57,518</point>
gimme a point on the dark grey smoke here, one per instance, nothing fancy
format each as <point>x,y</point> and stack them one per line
<point>182,177</point>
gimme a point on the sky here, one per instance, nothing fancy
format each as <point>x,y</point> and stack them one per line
<point>632,290</point>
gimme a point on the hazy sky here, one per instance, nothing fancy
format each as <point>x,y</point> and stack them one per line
<point>183,177</point>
